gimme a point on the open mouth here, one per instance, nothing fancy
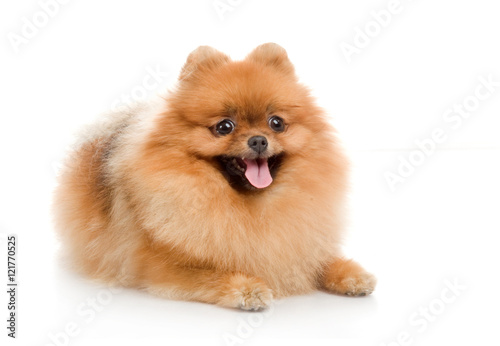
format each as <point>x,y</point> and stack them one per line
<point>250,173</point>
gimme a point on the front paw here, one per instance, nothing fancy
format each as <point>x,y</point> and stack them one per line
<point>349,278</point>
<point>246,293</point>
<point>360,285</point>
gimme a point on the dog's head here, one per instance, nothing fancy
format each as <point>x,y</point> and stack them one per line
<point>247,117</point>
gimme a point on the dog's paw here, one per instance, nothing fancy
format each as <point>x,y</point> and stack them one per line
<point>255,298</point>
<point>246,293</point>
<point>360,285</point>
<point>349,278</point>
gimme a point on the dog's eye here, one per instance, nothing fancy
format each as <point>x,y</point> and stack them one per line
<point>276,124</point>
<point>224,127</point>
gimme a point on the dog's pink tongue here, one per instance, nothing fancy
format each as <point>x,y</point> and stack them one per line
<point>258,173</point>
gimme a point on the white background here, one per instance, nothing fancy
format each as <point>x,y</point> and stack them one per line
<point>439,225</point>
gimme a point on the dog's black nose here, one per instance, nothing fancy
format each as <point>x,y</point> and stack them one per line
<point>258,144</point>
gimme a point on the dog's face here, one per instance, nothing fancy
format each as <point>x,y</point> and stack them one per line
<point>248,117</point>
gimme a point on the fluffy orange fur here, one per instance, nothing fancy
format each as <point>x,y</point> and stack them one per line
<point>144,202</point>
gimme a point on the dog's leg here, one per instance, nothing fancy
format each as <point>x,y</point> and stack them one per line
<point>234,290</point>
<point>347,277</point>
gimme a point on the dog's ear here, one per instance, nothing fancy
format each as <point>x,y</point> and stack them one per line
<point>202,57</point>
<point>272,54</point>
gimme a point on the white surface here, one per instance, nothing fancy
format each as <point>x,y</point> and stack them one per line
<point>440,224</point>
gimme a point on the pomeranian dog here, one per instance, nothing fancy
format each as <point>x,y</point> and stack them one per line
<point>229,190</point>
